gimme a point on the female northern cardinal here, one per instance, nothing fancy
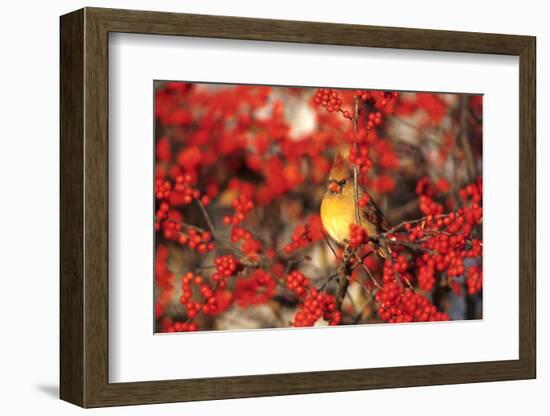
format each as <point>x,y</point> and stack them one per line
<point>338,207</point>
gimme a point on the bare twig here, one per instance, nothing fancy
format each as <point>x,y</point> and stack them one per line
<point>343,283</point>
<point>369,273</point>
<point>355,173</point>
<point>408,244</point>
<point>345,269</point>
<point>329,280</point>
<point>463,135</point>
<point>475,116</point>
<point>213,229</point>
<point>428,134</point>
<point>411,222</point>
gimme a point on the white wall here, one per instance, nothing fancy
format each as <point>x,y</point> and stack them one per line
<point>29,211</point>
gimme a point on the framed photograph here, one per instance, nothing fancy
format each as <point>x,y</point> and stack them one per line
<point>256,207</point>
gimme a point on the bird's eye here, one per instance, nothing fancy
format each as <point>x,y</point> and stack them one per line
<point>342,182</point>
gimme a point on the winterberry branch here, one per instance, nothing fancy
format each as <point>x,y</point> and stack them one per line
<point>369,273</point>
<point>213,230</point>
<point>463,135</point>
<point>355,173</point>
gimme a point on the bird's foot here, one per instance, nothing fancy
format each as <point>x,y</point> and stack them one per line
<point>347,253</point>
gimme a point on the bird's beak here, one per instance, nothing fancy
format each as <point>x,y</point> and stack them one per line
<point>334,187</point>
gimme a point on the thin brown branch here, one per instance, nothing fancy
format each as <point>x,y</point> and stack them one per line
<point>369,273</point>
<point>428,134</point>
<point>213,229</point>
<point>475,116</point>
<point>355,173</point>
<point>343,283</point>
<point>329,280</point>
<point>345,270</point>
<point>463,135</point>
<point>411,222</point>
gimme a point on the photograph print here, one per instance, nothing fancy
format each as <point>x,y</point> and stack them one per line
<point>282,207</point>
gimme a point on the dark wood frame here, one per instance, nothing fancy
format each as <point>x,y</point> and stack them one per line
<point>84,208</point>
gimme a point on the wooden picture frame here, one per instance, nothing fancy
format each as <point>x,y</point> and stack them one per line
<point>84,207</point>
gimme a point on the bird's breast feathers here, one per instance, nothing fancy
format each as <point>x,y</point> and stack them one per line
<point>337,214</point>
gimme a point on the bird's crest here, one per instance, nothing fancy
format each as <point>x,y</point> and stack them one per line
<point>340,168</point>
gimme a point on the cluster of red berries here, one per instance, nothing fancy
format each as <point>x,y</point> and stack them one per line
<point>183,190</point>
<point>223,300</point>
<point>181,193</point>
<point>215,300</point>
<point>210,303</point>
<point>190,158</point>
<point>414,233</point>
<point>386,97</point>
<point>430,107</point>
<point>472,192</point>
<point>364,200</point>
<point>474,279</point>
<point>180,327</point>
<point>226,266</point>
<point>429,207</point>
<point>424,187</point>
<point>375,100</point>
<point>476,249</point>
<point>242,205</point>
<point>331,100</point>
<point>301,238</point>
<point>400,263</point>
<point>192,308</point>
<point>358,236</point>
<point>173,230</point>
<point>471,196</point>
<point>453,262</point>
<point>248,244</point>
<point>164,279</point>
<point>166,100</point>
<point>397,304</point>
<point>163,188</point>
<point>255,289</point>
<point>364,95</point>
<point>374,119</point>
<point>315,306</point>
<point>169,220</point>
<point>201,241</point>
<point>447,240</point>
<point>426,273</point>
<point>426,192</point>
<point>169,228</point>
<point>381,98</point>
<point>448,252</point>
<point>359,156</point>
<point>297,283</point>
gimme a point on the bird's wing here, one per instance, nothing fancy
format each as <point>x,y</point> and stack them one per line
<point>374,215</point>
